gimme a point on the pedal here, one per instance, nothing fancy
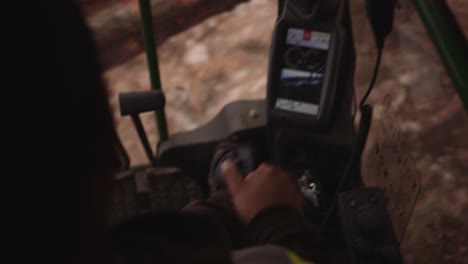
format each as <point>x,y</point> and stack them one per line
<point>144,190</point>
<point>367,227</point>
<point>124,198</point>
<point>169,189</point>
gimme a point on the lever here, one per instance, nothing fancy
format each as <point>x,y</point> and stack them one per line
<point>134,103</point>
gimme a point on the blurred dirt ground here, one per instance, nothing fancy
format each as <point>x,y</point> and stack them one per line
<point>225,58</point>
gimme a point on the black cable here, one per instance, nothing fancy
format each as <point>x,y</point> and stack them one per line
<point>353,167</point>
<point>374,78</point>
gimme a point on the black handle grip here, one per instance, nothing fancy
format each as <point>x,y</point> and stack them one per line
<point>134,103</point>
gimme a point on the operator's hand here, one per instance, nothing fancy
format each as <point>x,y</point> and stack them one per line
<point>266,187</point>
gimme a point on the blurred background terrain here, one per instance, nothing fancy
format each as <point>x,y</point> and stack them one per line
<point>213,52</point>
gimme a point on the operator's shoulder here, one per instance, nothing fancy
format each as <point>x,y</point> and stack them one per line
<point>268,254</point>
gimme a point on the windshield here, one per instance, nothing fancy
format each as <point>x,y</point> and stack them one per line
<point>418,142</point>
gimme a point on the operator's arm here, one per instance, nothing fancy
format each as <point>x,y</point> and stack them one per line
<point>267,201</point>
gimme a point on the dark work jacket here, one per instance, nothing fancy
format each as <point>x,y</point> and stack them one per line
<point>173,237</point>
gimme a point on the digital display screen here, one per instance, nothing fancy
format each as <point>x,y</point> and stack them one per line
<point>303,70</point>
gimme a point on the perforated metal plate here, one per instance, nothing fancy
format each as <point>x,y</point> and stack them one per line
<point>394,171</point>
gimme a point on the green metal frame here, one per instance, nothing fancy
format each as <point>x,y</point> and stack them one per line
<point>152,58</point>
<point>450,41</point>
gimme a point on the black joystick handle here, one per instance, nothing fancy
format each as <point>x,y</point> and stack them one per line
<point>243,155</point>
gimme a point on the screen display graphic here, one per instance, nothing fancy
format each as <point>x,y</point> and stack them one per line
<point>302,71</point>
